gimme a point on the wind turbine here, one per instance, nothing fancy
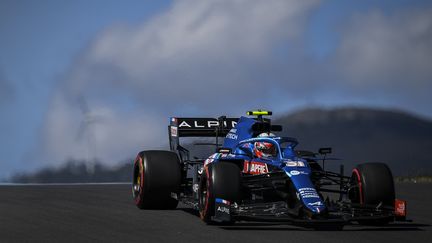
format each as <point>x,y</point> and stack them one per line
<point>86,129</point>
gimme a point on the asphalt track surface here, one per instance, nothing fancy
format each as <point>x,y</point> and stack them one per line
<point>106,213</point>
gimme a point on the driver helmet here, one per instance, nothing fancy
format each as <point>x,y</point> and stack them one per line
<point>264,149</point>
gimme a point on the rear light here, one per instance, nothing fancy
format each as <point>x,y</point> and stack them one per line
<point>400,208</point>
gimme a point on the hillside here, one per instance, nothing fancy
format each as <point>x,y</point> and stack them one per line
<point>78,171</point>
<point>400,139</point>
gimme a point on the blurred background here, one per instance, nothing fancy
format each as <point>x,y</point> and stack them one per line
<point>85,85</point>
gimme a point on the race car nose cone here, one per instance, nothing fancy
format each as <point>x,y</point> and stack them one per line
<point>316,207</point>
<point>318,210</point>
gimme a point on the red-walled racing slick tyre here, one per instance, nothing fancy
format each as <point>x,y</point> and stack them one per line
<point>373,185</point>
<point>156,176</point>
<point>219,180</point>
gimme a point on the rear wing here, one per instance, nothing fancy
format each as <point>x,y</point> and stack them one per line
<point>198,127</point>
<point>201,127</point>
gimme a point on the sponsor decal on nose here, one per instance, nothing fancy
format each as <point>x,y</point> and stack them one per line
<point>255,168</point>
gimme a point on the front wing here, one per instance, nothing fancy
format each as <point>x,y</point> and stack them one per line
<point>341,214</point>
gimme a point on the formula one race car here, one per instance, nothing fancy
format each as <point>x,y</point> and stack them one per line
<point>258,176</point>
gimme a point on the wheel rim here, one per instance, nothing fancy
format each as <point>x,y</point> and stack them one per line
<point>203,196</point>
<point>356,188</point>
<point>137,180</point>
<point>203,193</point>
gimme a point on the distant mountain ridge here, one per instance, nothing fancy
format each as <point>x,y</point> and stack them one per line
<point>357,135</point>
<point>401,139</point>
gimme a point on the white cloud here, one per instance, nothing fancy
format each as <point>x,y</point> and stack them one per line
<point>106,133</point>
<point>388,51</point>
<point>200,46</point>
<point>386,59</point>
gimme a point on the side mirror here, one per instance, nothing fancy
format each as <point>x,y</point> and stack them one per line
<point>325,151</point>
<point>224,150</point>
<point>245,149</point>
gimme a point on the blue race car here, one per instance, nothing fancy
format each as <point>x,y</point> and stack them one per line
<point>258,176</point>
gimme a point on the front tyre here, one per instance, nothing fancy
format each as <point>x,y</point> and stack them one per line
<point>219,180</point>
<point>372,184</point>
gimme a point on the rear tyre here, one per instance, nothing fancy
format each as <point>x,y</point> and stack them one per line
<point>156,176</point>
<point>218,180</point>
<point>372,184</point>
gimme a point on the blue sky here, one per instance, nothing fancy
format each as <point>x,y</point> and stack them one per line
<point>138,62</point>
